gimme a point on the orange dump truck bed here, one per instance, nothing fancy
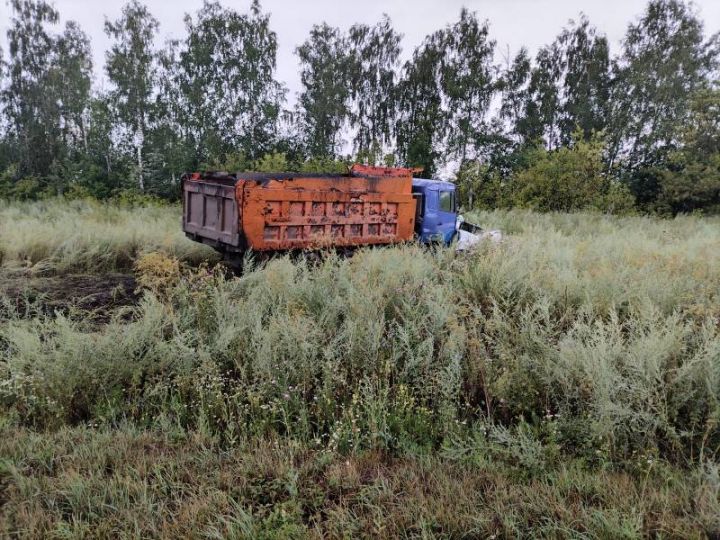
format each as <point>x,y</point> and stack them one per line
<point>279,211</point>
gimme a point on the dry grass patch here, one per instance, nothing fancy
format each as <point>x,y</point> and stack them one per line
<point>128,483</point>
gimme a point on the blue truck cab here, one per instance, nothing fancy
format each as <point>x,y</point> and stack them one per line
<point>436,210</point>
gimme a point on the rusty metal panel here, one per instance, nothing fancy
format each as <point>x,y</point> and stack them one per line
<point>276,211</point>
<point>210,211</point>
<point>311,212</point>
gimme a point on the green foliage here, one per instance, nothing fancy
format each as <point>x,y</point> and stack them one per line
<point>31,113</point>
<point>586,81</point>
<point>374,53</point>
<point>479,186</point>
<point>70,80</point>
<point>468,82</point>
<point>422,122</point>
<point>274,162</point>
<point>325,165</point>
<point>7,177</point>
<point>569,178</point>
<point>26,188</point>
<point>131,68</point>
<point>664,62</point>
<point>324,105</point>
<point>567,89</point>
<point>691,180</point>
<point>371,155</point>
<point>46,97</point>
<point>688,186</point>
<point>234,161</point>
<point>223,80</point>
<point>279,162</point>
<point>211,101</point>
<point>570,372</point>
<point>596,332</point>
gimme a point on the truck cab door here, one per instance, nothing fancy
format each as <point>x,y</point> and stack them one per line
<point>435,220</point>
<point>447,214</point>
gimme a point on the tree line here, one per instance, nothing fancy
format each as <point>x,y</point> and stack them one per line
<point>574,126</point>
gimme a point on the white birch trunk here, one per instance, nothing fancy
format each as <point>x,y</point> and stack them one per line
<point>139,139</point>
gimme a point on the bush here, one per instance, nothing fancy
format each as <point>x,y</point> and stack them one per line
<point>324,165</point>
<point>157,273</point>
<point>690,185</point>
<point>271,163</point>
<point>568,179</point>
<point>479,186</point>
<point>27,188</point>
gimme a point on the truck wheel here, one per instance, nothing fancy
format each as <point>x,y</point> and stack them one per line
<point>233,261</point>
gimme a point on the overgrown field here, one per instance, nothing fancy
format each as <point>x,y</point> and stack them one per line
<point>564,384</point>
<point>81,236</point>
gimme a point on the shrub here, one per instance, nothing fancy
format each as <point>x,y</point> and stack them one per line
<point>157,272</point>
<point>567,179</point>
<point>271,163</point>
<point>570,178</point>
<point>690,185</point>
<point>27,188</point>
<point>479,186</point>
<point>324,165</point>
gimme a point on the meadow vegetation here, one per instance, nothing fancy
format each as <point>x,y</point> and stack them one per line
<point>84,235</point>
<point>565,383</point>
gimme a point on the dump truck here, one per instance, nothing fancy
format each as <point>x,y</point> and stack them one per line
<point>270,212</point>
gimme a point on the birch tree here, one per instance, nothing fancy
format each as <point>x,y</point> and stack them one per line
<point>131,68</point>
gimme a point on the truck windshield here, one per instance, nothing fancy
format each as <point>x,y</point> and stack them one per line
<point>447,201</point>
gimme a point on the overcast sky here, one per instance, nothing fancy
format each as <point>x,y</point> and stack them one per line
<point>513,23</point>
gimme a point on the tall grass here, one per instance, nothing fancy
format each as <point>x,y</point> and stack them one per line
<point>83,235</point>
<point>581,337</point>
<point>605,342</point>
<point>607,263</point>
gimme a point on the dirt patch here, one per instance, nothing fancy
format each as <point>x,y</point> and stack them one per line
<point>98,295</point>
